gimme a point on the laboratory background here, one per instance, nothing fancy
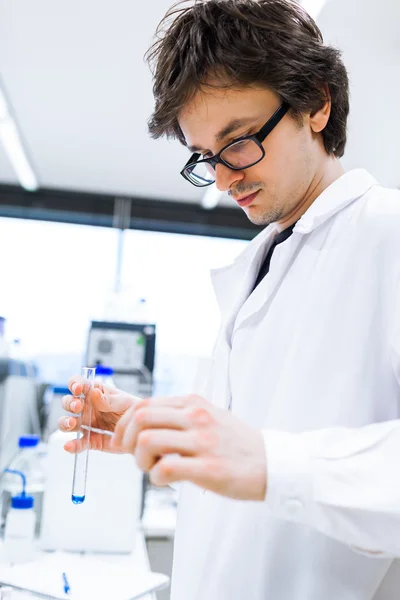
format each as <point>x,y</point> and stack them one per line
<point>105,259</point>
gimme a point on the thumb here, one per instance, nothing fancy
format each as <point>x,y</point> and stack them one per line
<point>103,400</point>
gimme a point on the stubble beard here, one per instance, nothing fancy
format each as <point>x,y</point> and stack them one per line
<point>266,218</point>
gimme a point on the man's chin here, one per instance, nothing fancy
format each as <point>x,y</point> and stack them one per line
<point>259,218</point>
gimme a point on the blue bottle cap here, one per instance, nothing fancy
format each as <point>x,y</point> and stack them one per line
<point>61,390</point>
<point>22,502</point>
<point>29,441</point>
<point>102,370</point>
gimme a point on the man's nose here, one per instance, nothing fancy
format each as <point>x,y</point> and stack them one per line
<point>225,177</point>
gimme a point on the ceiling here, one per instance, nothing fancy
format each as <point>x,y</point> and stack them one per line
<point>81,92</point>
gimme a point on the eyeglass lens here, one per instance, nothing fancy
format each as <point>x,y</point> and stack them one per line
<point>240,154</point>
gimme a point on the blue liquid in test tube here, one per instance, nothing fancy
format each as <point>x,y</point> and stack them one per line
<point>83,437</point>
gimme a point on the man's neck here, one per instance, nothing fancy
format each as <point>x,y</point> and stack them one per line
<point>332,170</point>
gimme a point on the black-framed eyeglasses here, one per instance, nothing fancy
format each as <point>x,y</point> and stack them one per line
<point>241,154</point>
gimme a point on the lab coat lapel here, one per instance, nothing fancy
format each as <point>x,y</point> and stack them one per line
<point>335,198</point>
<point>232,286</point>
<point>282,260</point>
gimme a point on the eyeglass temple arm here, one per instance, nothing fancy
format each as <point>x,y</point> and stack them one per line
<point>194,158</point>
<point>273,121</point>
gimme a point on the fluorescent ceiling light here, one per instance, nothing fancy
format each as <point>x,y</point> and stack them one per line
<point>14,148</point>
<point>313,7</point>
<point>3,107</point>
<point>211,197</point>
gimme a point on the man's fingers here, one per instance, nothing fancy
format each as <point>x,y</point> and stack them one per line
<point>129,437</point>
<point>75,384</point>
<point>119,431</point>
<point>72,447</point>
<point>76,446</point>
<point>68,424</point>
<point>134,421</point>
<point>149,418</point>
<point>79,385</point>
<point>154,418</point>
<point>99,401</point>
<point>165,417</point>
<point>97,442</point>
<point>72,404</point>
<point>151,444</point>
<point>179,468</point>
<point>103,402</point>
<point>172,402</point>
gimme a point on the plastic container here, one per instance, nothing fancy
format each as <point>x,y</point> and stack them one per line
<point>19,533</point>
<point>91,526</point>
<point>30,461</point>
<point>53,409</point>
<point>104,375</point>
<point>2,326</point>
<point>4,345</point>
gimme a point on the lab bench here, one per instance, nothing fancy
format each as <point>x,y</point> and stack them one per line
<point>139,561</point>
<point>158,526</point>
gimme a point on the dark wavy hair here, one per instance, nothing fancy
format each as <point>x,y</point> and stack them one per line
<point>273,43</point>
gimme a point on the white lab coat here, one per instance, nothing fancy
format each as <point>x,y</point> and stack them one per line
<point>315,346</point>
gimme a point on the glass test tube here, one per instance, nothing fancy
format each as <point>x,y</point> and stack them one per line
<point>83,437</point>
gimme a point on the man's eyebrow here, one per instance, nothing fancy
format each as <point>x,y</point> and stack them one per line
<point>230,128</point>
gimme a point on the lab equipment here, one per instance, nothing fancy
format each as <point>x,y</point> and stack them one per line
<point>18,409</point>
<point>91,577</point>
<point>53,409</point>
<point>2,326</point>
<point>83,436</point>
<point>4,346</point>
<point>6,592</point>
<point>30,460</point>
<point>108,518</point>
<point>105,375</point>
<point>3,341</point>
<point>129,349</point>
<point>19,532</point>
<point>140,312</point>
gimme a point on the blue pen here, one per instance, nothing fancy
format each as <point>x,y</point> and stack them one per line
<point>66,584</point>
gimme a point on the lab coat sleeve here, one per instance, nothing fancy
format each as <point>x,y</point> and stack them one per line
<point>395,335</point>
<point>343,482</point>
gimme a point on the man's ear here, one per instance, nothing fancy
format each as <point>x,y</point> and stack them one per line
<point>320,118</point>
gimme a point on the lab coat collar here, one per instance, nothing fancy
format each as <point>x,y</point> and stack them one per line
<point>225,279</point>
<point>333,199</point>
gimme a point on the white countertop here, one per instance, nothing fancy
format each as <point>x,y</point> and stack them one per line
<point>159,517</point>
<point>138,560</point>
<point>159,522</point>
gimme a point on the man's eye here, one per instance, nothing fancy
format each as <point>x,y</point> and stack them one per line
<point>207,155</point>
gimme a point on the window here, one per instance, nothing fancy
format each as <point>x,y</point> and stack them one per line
<point>172,271</point>
<point>56,278</point>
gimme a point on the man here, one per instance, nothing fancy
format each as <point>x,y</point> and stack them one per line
<point>309,345</point>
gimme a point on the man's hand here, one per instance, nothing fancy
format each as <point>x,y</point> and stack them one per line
<point>186,438</point>
<point>108,405</point>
